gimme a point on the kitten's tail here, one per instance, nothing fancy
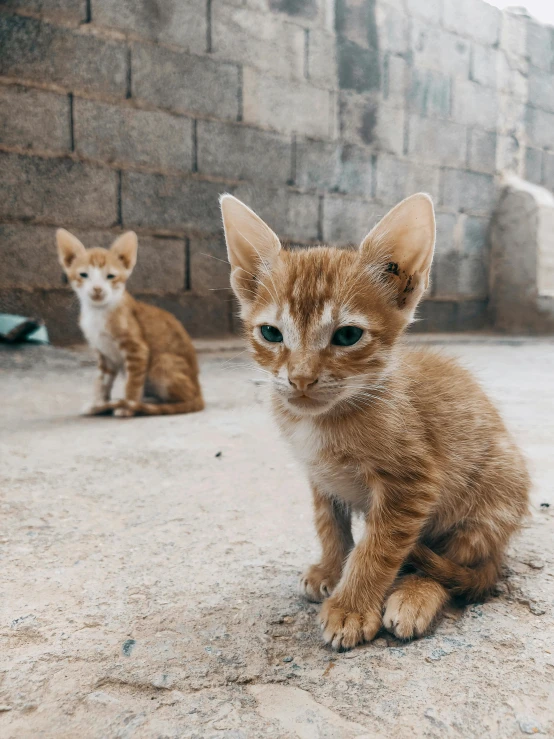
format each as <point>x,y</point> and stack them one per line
<point>469,582</point>
<point>168,409</point>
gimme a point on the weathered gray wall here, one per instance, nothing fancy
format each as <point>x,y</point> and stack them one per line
<point>118,114</point>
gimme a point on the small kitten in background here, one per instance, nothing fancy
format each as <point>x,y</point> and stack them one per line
<point>405,437</point>
<point>148,343</point>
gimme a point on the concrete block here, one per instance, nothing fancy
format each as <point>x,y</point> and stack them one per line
<point>205,316</point>
<point>29,258</point>
<point>38,51</point>
<point>513,34</point>
<point>392,29</point>
<point>475,105</point>
<point>366,122</point>
<point>322,58</point>
<point>358,68</point>
<point>484,61</point>
<point>533,165</point>
<point>433,48</point>
<point>473,18</point>
<point>66,10</point>
<point>265,42</point>
<point>522,258</point>
<point>169,202</point>
<point>392,178</point>
<point>33,119</point>
<point>395,78</point>
<point>57,191</point>
<point>468,191</point>
<point>292,215</point>
<point>356,22</point>
<point>171,22</point>
<point>318,164</point>
<point>161,266</point>
<point>243,153</point>
<point>300,9</point>
<point>508,153</point>
<point>348,221</point>
<point>123,134</point>
<point>548,171</point>
<point>446,232</point>
<point>396,179</point>
<point>541,89</point>
<point>540,45</point>
<point>179,81</point>
<point>356,171</point>
<point>429,10</point>
<point>512,76</point>
<point>540,128</point>
<point>429,93</point>
<point>475,234</point>
<point>437,142</point>
<point>461,275</point>
<point>333,167</point>
<point>482,150</point>
<point>209,269</point>
<point>286,106</point>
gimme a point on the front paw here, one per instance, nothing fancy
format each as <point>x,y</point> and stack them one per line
<point>317,583</point>
<point>344,627</point>
<point>124,412</point>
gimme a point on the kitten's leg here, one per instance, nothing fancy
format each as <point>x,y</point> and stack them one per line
<point>136,355</point>
<point>333,525</point>
<point>398,511</point>
<point>103,385</point>
<point>414,605</point>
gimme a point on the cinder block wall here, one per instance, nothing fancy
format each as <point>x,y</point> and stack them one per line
<point>321,114</point>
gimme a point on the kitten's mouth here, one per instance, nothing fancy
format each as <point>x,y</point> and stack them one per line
<point>304,401</point>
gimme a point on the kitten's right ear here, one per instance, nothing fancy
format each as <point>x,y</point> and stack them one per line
<point>69,248</point>
<point>252,247</point>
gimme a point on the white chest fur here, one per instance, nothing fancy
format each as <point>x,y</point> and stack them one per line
<point>93,323</point>
<point>312,448</point>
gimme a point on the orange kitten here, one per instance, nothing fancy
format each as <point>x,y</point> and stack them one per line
<point>401,436</point>
<point>148,343</point>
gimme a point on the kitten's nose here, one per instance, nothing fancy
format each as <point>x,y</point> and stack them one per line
<point>97,292</point>
<point>302,382</point>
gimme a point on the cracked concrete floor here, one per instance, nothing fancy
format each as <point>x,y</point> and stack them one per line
<point>148,585</point>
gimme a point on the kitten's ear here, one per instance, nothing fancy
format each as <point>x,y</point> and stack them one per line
<point>69,248</point>
<point>252,246</point>
<point>406,235</point>
<point>125,249</point>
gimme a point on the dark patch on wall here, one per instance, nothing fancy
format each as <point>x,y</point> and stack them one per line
<point>358,67</point>
<point>358,60</point>
<point>297,8</point>
<point>368,123</point>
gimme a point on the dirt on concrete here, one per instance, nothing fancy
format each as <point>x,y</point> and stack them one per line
<point>149,569</point>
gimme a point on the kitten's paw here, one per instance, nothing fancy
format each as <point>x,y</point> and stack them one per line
<point>89,409</point>
<point>317,583</point>
<point>413,608</point>
<point>343,628</point>
<point>124,412</point>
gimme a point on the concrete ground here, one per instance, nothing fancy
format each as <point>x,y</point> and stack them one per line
<point>149,566</point>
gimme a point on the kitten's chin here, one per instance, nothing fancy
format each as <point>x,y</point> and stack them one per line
<point>305,406</point>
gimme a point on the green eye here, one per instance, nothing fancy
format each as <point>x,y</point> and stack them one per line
<point>83,274</point>
<point>270,333</point>
<point>347,336</point>
<point>110,277</point>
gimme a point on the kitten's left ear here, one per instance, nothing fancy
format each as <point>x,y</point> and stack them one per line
<point>252,247</point>
<point>407,236</point>
<point>125,249</point>
<point>69,248</point>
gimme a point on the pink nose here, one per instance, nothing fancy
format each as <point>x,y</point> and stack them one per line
<point>97,292</point>
<point>302,383</point>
